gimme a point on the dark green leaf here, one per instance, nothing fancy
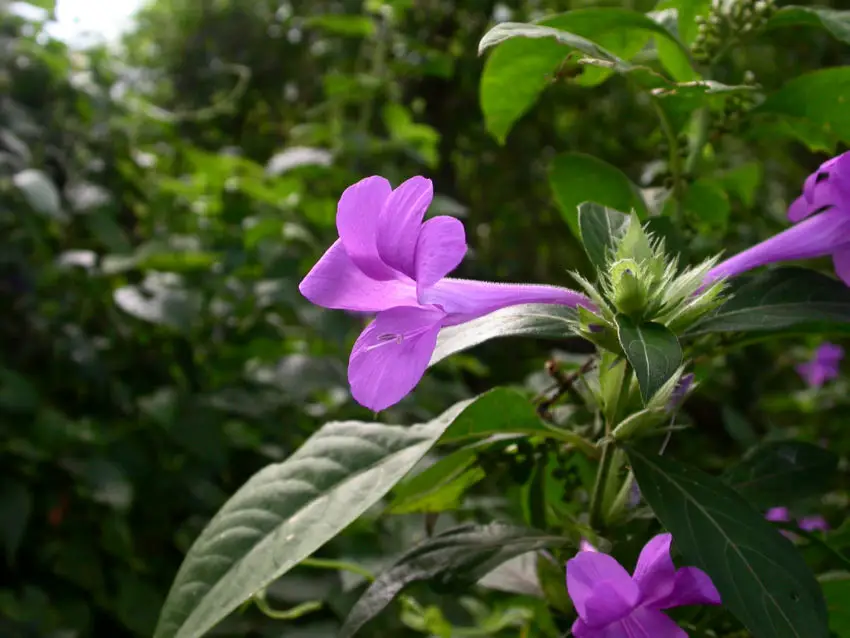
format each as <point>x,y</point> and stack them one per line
<point>779,473</point>
<point>15,510</point>
<point>834,21</point>
<point>836,590</point>
<point>576,178</point>
<point>40,193</point>
<point>288,510</point>
<point>600,228</point>
<point>455,558</point>
<point>542,321</point>
<point>760,575</point>
<point>779,299</point>
<point>653,352</point>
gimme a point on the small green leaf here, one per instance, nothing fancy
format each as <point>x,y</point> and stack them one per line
<point>600,228</point>
<point>653,352</point>
<point>455,558</point>
<point>40,193</point>
<point>287,511</point>
<point>779,473</point>
<point>818,98</point>
<point>706,199</point>
<point>779,299</point>
<point>541,321</point>
<point>760,575</point>
<point>834,21</point>
<point>576,178</point>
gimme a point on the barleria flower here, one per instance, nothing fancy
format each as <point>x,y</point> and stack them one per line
<point>823,366</point>
<point>388,261</point>
<point>821,217</point>
<point>612,604</point>
<point>805,523</point>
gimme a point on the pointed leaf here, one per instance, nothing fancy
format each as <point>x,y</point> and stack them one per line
<point>781,472</point>
<point>653,352</point>
<point>455,558</point>
<point>287,511</point>
<point>600,227</point>
<point>760,575</point>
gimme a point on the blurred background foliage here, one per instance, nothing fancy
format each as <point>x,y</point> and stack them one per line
<point>159,203</point>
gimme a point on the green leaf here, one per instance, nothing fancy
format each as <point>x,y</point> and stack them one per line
<point>529,54</point>
<point>600,228</point>
<point>15,511</point>
<point>670,54</point>
<point>287,511</point>
<point>40,193</point>
<point>779,299</point>
<point>760,575</point>
<point>743,181</point>
<point>345,25</point>
<point>818,98</point>
<point>653,352</point>
<point>836,590</point>
<point>542,321</point>
<point>781,472</point>
<point>453,559</point>
<point>706,199</point>
<point>834,21</point>
<point>576,178</point>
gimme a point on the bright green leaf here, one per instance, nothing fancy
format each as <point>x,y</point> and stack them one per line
<point>708,202</point>
<point>600,228</point>
<point>743,181</point>
<point>836,590</point>
<point>345,25</point>
<point>40,193</point>
<point>760,575</point>
<point>834,21</point>
<point>653,352</point>
<point>576,178</point>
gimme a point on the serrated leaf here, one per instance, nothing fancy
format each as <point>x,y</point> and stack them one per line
<point>653,352</point>
<point>834,21</point>
<point>576,178</point>
<point>599,228</point>
<point>781,472</point>
<point>760,575</point>
<point>288,510</point>
<point>779,299</point>
<point>40,193</point>
<point>455,558</point>
<point>542,321</point>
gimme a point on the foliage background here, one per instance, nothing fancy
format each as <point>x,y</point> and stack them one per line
<point>158,207</point>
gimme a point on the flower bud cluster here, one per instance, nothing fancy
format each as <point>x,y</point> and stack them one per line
<point>726,19</point>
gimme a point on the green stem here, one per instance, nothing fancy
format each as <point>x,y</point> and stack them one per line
<point>586,447</point>
<point>339,565</point>
<point>285,614</point>
<point>675,158</point>
<point>699,141</point>
<point>597,513</point>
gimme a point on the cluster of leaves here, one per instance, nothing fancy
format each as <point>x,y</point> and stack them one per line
<point>160,205</point>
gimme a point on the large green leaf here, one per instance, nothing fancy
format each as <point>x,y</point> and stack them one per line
<point>834,21</point>
<point>600,227</point>
<point>780,472</point>
<point>818,99</point>
<point>287,511</point>
<point>521,68</point>
<point>576,178</point>
<point>455,558</point>
<point>653,352</point>
<point>779,299</point>
<point>543,321</point>
<point>761,577</point>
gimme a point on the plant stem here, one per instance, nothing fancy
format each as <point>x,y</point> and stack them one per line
<point>339,565</point>
<point>675,158</point>
<point>597,515</point>
<point>285,614</point>
<point>703,120</point>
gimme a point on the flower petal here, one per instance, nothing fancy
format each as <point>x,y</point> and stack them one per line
<point>470,299</point>
<point>609,602</point>
<point>655,569</point>
<point>400,223</point>
<point>587,570</point>
<point>812,523</point>
<point>439,250</point>
<point>691,586</point>
<point>778,514</point>
<point>391,355</point>
<point>841,262</point>
<point>645,623</point>
<point>335,282</point>
<point>357,220</point>
<point>816,236</point>
<point>799,209</point>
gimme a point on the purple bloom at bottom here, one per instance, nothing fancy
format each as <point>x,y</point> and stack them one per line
<point>824,365</point>
<point>389,261</point>
<point>821,217</point>
<point>612,604</point>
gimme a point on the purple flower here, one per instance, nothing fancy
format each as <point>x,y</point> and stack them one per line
<point>610,603</point>
<point>389,262</point>
<point>585,546</point>
<point>778,515</point>
<point>806,523</point>
<point>824,366</point>
<point>822,226</point>
<point>812,523</point>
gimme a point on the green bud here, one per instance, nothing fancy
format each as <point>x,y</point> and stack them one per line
<point>629,293</point>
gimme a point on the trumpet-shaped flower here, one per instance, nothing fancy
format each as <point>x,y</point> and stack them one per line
<point>612,604</point>
<point>388,261</point>
<point>821,217</point>
<point>823,367</point>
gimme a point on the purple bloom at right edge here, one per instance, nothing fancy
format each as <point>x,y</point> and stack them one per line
<point>824,366</point>
<point>821,219</point>
<point>612,604</point>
